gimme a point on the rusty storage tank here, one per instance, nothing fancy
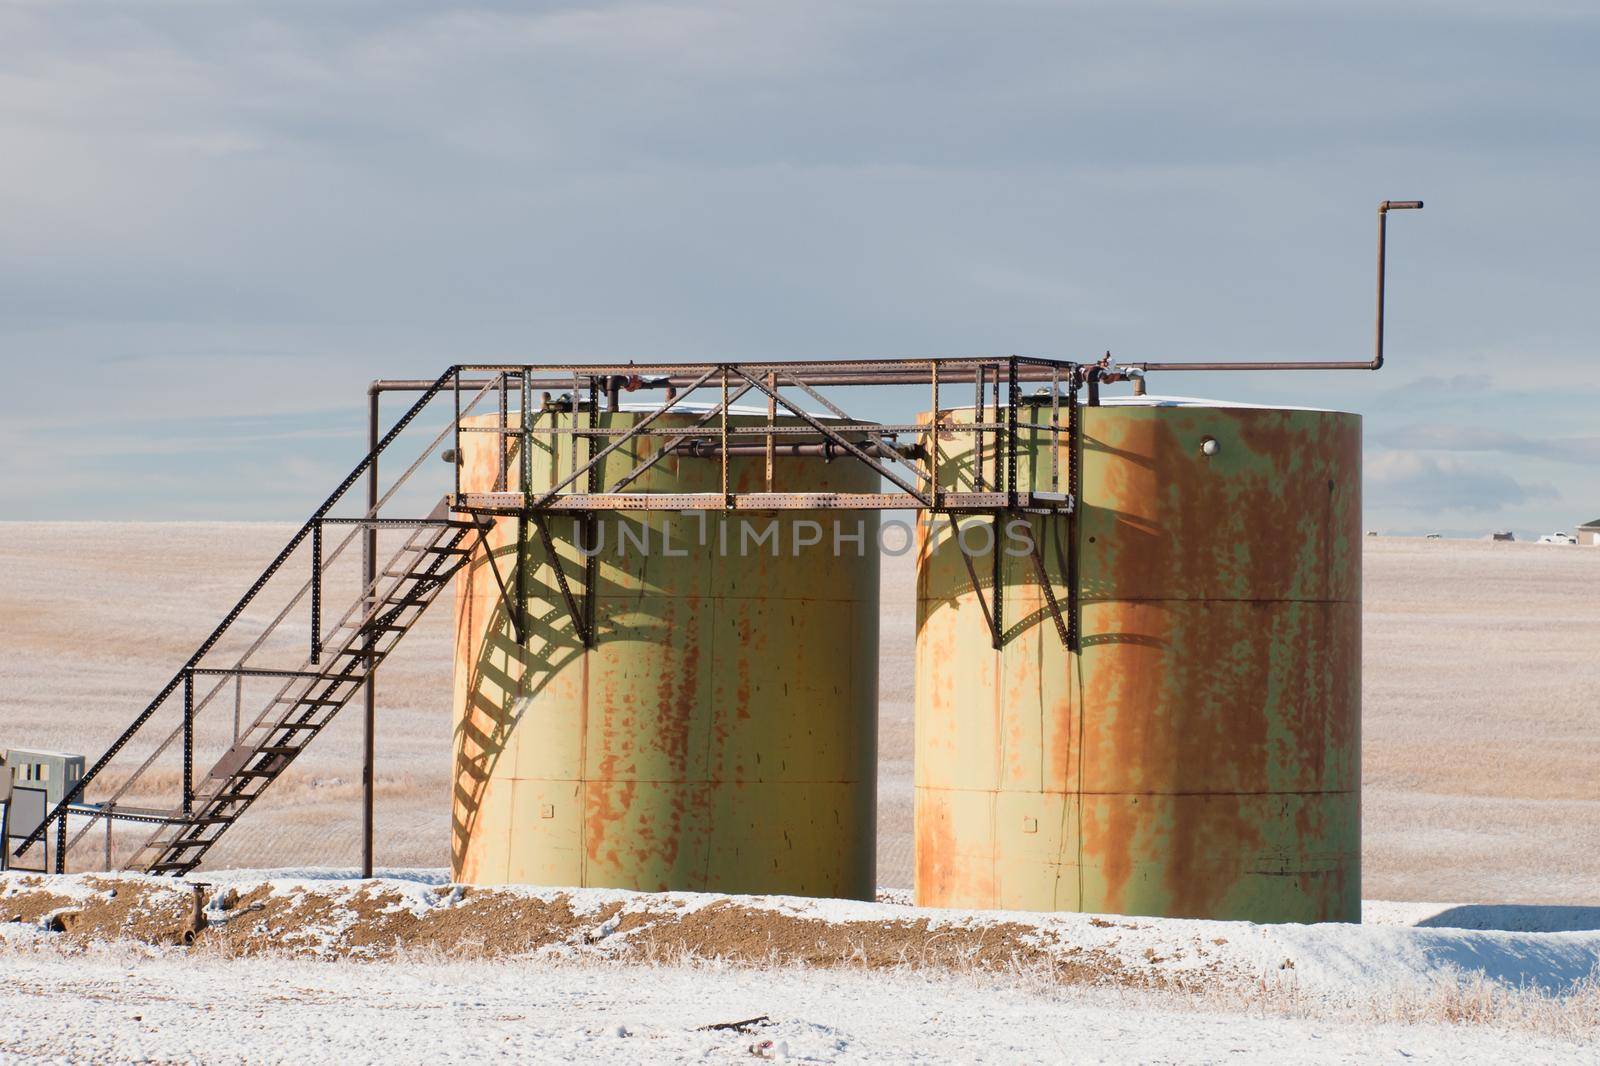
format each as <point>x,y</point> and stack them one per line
<point>1199,756</point>
<point>721,732</point>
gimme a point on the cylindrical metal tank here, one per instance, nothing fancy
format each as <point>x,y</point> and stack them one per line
<point>1199,755</point>
<point>721,732</point>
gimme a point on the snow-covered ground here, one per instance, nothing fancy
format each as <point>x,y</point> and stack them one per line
<point>307,964</point>
<point>110,1005</point>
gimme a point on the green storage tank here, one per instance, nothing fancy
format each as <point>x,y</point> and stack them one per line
<point>1199,754</point>
<point>721,733</point>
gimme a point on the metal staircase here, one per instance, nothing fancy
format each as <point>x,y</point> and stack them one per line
<point>312,695</point>
<point>309,686</point>
<point>592,463</point>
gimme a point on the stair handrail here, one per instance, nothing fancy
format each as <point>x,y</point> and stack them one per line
<point>59,812</point>
<point>328,560</point>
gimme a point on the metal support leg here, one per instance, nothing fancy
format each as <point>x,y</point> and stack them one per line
<point>188,743</point>
<point>370,716</point>
<point>316,593</point>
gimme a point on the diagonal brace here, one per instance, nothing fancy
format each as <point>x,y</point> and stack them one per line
<point>579,621</point>
<point>837,439</point>
<point>506,599</point>
<point>977,589</point>
<point>1049,592</point>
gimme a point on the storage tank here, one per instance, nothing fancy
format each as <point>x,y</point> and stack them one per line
<point>1199,755</point>
<point>721,732</point>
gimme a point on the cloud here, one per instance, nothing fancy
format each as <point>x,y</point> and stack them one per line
<point>1426,483</point>
<point>1473,438</point>
<point>375,190</point>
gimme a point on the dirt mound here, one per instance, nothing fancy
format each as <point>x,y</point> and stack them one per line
<point>94,908</point>
<point>376,920</point>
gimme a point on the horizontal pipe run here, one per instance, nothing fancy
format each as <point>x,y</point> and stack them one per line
<point>1029,372</point>
<point>1355,364</point>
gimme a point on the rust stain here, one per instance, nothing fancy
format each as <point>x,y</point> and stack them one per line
<point>1219,678</point>
<point>680,765</point>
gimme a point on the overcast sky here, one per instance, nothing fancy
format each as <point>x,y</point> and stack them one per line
<point>219,220</point>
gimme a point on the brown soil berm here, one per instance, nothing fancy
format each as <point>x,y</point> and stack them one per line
<point>373,921</point>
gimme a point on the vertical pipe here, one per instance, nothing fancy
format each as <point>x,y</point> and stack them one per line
<point>1383,231</point>
<point>370,554</point>
<point>110,805</point>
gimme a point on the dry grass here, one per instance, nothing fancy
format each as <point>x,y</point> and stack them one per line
<point>1482,704</point>
<point>371,924</point>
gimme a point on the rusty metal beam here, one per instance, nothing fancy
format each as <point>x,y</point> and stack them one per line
<point>508,503</point>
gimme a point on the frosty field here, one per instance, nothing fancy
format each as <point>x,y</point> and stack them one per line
<point>300,966</point>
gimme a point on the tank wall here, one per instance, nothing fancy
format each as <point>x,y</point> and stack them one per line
<point>722,733</point>
<point>1199,756</point>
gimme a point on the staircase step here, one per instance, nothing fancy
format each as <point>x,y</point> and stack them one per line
<point>174,845</point>
<point>422,569</point>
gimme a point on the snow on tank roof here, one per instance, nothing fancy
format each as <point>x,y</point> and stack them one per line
<point>1199,401</point>
<point>1174,401</point>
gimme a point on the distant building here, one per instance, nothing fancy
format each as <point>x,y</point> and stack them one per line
<point>1503,534</point>
<point>1589,534</point>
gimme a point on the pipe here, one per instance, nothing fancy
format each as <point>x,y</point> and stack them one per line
<point>677,382</point>
<point>1383,239</point>
<point>1376,363</point>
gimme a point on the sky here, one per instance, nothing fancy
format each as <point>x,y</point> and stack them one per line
<point>219,220</point>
